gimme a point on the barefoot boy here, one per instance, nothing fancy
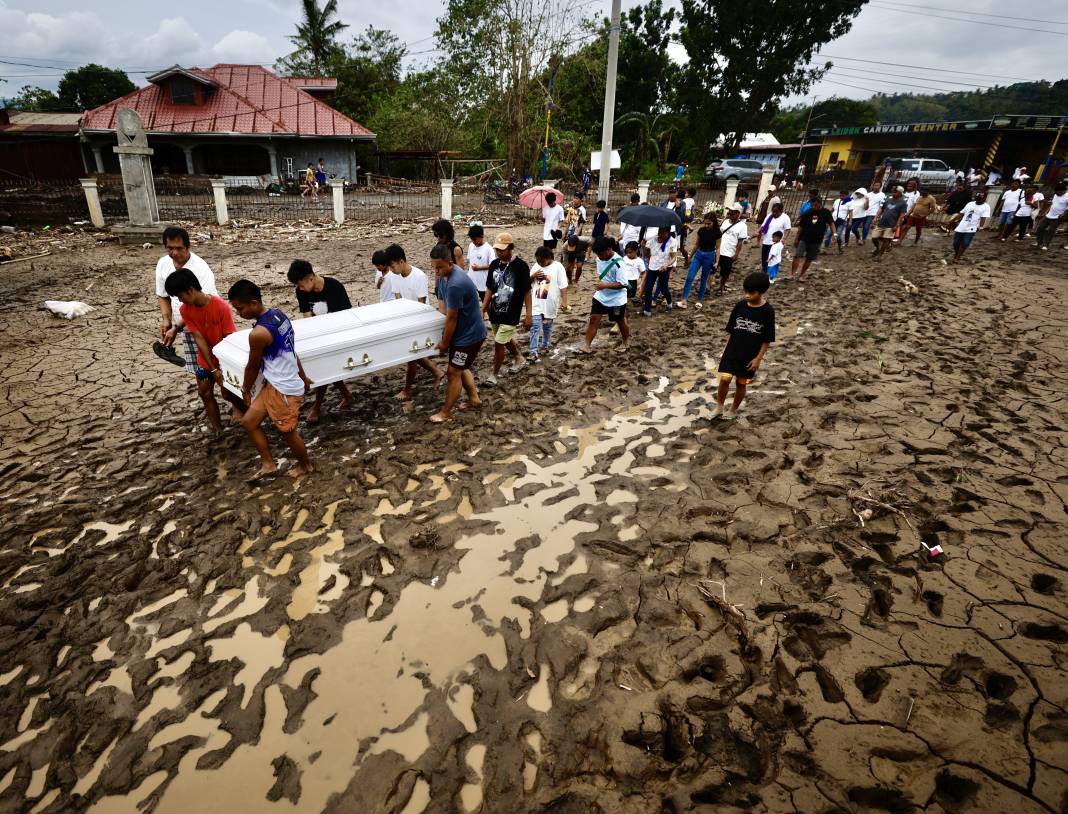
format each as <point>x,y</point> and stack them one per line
<point>271,352</point>
<point>464,331</point>
<point>751,329</point>
<point>317,295</point>
<point>208,320</point>
<point>610,298</point>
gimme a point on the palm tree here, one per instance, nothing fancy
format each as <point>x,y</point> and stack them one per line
<point>655,131</point>
<point>315,35</point>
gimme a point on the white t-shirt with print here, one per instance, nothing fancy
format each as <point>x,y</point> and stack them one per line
<point>634,268</point>
<point>412,287</point>
<point>1026,209</point>
<point>731,237</point>
<point>165,268</point>
<point>553,216</point>
<point>545,294</point>
<point>972,215</point>
<point>479,256</point>
<point>660,253</point>
<point>779,224</point>
<point>1058,206</point>
<point>775,255</point>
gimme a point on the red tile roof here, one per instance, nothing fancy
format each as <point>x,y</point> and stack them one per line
<point>250,100</point>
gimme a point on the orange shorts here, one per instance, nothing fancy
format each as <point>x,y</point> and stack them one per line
<point>728,377</point>
<point>284,410</point>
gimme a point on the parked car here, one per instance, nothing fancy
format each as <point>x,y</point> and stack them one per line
<point>929,172</point>
<point>743,169</point>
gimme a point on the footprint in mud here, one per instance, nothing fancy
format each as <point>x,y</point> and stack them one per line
<point>871,682</point>
<point>953,792</point>
<point>934,601</point>
<point>829,686</point>
<point>1045,584</point>
<point>1044,633</point>
<point>961,665</point>
<point>998,685</point>
<point>880,798</point>
<point>1001,716</point>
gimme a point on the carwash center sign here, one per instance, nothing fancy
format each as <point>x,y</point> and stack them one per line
<point>996,123</point>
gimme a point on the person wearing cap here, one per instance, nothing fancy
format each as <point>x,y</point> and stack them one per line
<point>893,214</point>
<point>733,234</point>
<point>812,226</point>
<point>507,298</point>
<point>858,212</point>
<point>464,330</point>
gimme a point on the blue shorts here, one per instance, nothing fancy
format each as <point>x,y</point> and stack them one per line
<point>963,239</point>
<point>773,271</point>
<point>1006,217</point>
<point>202,374</point>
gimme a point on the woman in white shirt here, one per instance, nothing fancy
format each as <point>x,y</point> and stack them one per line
<point>1056,213</point>
<point>776,221</point>
<point>858,212</point>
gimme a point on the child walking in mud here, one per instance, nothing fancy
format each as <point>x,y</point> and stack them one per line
<point>271,352</point>
<point>751,330</point>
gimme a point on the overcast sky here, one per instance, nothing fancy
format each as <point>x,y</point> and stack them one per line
<point>141,37</point>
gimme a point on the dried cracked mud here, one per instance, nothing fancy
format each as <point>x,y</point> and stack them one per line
<point>589,598</point>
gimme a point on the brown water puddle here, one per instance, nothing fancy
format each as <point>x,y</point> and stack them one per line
<point>372,682</point>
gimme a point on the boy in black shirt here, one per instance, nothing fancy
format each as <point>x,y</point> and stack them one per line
<point>812,226</point>
<point>317,295</point>
<point>751,329</point>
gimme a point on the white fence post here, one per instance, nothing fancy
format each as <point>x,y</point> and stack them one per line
<point>643,191</point>
<point>765,184</point>
<point>337,187</point>
<point>446,199</point>
<point>730,194</point>
<point>92,198</point>
<point>218,191</point>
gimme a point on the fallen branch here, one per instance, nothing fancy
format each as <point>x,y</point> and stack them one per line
<point>27,257</point>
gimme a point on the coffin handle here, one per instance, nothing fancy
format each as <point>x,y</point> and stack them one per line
<point>429,343</point>
<point>352,365</point>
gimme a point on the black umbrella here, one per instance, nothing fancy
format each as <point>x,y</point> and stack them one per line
<point>646,215</point>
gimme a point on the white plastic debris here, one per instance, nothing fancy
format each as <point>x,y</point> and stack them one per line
<point>933,550</point>
<point>146,245</point>
<point>68,310</point>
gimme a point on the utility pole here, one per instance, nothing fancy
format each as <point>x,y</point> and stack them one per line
<point>604,181</point>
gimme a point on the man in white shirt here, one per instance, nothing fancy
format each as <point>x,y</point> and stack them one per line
<point>733,237</point>
<point>410,284</point>
<point>912,194</point>
<point>661,251</point>
<point>875,199</point>
<point>1054,216</point>
<point>971,221</point>
<point>552,213</point>
<point>993,176</point>
<point>776,221</point>
<point>176,242</point>
<point>1020,174</point>
<point>1009,203</point>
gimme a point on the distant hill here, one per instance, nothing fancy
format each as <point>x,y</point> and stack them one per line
<point>1023,97</point>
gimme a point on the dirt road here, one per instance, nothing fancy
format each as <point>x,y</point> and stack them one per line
<point>588,598</point>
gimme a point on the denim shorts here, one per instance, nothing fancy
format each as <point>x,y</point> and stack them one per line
<point>963,239</point>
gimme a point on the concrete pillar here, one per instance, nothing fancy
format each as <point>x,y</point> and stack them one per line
<point>98,157</point>
<point>135,162</point>
<point>337,187</point>
<point>272,151</point>
<point>218,191</point>
<point>643,191</point>
<point>766,176</point>
<point>189,168</point>
<point>446,199</point>
<point>731,193</point>
<point>92,198</point>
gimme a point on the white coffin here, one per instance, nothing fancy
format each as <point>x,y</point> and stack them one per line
<point>346,344</point>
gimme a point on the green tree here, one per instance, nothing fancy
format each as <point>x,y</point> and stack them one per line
<point>740,66</point>
<point>788,125</point>
<point>37,99</point>
<point>316,40</point>
<point>367,72</point>
<point>91,86</point>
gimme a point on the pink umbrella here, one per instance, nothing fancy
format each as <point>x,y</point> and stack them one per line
<point>534,198</point>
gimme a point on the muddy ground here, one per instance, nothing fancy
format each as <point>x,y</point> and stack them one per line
<point>587,598</point>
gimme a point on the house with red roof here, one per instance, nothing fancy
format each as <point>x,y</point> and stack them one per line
<point>231,120</point>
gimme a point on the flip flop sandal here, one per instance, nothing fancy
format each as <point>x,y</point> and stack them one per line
<point>167,354</point>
